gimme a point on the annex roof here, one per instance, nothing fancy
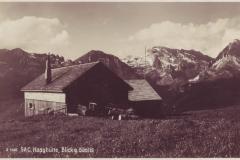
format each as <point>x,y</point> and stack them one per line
<point>142,91</point>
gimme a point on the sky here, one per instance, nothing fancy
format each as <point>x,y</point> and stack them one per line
<point>121,28</point>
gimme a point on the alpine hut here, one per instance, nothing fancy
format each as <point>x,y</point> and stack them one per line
<point>64,89</point>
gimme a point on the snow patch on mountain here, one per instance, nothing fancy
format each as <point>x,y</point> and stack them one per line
<point>226,60</point>
<point>195,79</point>
<point>138,61</point>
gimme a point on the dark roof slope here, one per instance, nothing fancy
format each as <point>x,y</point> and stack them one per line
<point>142,91</point>
<point>61,78</point>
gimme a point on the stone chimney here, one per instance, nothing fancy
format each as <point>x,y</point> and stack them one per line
<point>48,72</point>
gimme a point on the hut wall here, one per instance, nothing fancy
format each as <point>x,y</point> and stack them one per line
<point>41,103</point>
<point>46,96</point>
<point>98,85</point>
<point>148,108</point>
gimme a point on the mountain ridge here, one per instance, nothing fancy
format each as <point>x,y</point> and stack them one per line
<point>167,70</point>
<point>113,62</point>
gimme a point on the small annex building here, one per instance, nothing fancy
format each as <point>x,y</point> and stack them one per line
<point>143,98</point>
<point>64,89</point>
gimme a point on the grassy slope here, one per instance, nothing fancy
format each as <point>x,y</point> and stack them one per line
<point>213,133</point>
<point>11,109</point>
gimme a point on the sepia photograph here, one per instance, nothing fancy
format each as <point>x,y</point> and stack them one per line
<point>119,79</point>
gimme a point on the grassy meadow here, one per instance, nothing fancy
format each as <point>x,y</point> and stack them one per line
<point>207,133</point>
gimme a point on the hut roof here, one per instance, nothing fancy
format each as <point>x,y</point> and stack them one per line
<point>142,91</point>
<point>61,78</point>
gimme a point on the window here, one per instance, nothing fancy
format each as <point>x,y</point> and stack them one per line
<point>92,106</point>
<point>30,106</point>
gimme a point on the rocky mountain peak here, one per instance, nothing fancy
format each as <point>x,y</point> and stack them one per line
<point>236,41</point>
<point>226,64</point>
<point>232,49</point>
<point>113,62</point>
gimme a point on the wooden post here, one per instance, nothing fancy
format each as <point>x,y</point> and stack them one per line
<point>66,112</point>
<point>119,117</point>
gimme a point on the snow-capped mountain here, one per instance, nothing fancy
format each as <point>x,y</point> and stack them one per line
<point>226,60</point>
<point>142,64</point>
<point>226,65</point>
<point>229,56</point>
<point>166,59</point>
<point>137,61</point>
<point>231,49</point>
<point>166,66</point>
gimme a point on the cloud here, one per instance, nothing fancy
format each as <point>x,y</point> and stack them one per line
<point>210,38</point>
<point>34,34</point>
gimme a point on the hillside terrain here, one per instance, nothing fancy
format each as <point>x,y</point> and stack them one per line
<point>18,67</point>
<point>207,133</point>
